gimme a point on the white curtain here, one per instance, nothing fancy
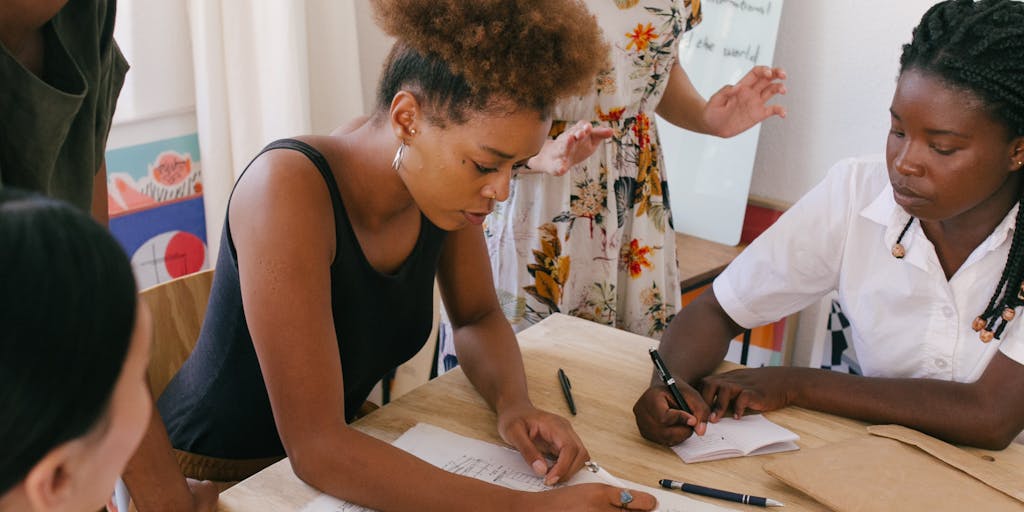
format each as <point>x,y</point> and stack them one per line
<point>267,69</point>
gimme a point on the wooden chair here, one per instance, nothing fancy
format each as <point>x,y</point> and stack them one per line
<point>177,308</point>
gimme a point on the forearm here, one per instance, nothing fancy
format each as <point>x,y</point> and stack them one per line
<point>681,104</point>
<point>952,411</point>
<point>361,469</point>
<point>697,339</point>
<point>489,355</point>
<point>153,476</point>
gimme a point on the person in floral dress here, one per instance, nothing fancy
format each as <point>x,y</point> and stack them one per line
<point>587,229</point>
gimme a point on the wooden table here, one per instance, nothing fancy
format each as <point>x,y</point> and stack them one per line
<point>609,369</point>
<point>700,261</point>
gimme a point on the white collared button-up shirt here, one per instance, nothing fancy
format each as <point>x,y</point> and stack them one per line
<point>906,318</point>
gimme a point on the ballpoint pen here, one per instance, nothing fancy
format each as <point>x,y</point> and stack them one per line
<point>564,380</point>
<point>669,381</point>
<point>745,499</point>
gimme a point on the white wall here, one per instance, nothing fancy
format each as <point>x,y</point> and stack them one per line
<point>374,46</point>
<point>335,88</point>
<point>158,97</point>
<point>842,57</point>
<point>154,39</point>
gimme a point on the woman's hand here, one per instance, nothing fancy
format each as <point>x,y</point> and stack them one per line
<point>585,497</point>
<point>573,146</point>
<point>659,420</point>
<point>735,108</point>
<point>539,435</point>
<point>204,495</point>
<point>756,389</point>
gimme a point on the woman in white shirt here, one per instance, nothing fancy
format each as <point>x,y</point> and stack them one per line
<point>923,250</point>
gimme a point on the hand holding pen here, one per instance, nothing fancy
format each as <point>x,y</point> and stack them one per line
<point>669,380</point>
<point>669,419</point>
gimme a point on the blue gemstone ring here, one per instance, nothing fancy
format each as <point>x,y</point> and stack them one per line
<point>625,497</point>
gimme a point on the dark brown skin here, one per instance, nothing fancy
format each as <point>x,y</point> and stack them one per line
<point>955,168</point>
<point>287,298</point>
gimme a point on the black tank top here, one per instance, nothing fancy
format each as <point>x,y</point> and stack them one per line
<point>217,404</point>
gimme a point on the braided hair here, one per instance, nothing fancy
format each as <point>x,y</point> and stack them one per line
<point>979,46</point>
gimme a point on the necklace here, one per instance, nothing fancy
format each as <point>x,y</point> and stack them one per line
<point>898,251</point>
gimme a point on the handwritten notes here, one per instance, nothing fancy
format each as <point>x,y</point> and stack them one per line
<point>498,465</point>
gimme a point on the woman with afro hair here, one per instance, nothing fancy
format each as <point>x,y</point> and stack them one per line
<point>330,249</point>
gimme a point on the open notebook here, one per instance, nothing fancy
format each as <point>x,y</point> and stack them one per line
<point>750,435</point>
<point>501,466</point>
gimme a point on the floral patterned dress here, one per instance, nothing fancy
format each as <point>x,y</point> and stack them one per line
<point>598,242</point>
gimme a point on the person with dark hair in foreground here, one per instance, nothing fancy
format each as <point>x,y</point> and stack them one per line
<point>923,248</point>
<point>61,73</point>
<point>330,249</point>
<point>73,355</point>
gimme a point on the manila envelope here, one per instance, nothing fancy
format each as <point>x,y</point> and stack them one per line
<point>897,468</point>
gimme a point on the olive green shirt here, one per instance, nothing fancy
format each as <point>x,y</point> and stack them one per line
<point>54,128</point>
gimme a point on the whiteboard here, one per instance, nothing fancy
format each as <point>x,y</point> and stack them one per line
<point>709,177</point>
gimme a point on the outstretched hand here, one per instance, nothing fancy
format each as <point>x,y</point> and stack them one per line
<point>736,108</point>
<point>573,146</point>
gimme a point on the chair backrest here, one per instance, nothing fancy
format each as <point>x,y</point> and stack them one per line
<point>178,308</point>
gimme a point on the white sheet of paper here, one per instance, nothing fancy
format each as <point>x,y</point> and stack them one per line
<point>752,434</point>
<point>498,465</point>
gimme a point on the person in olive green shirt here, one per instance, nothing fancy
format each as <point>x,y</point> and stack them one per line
<point>60,75</point>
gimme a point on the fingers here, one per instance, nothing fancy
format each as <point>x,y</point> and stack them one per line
<point>699,407</point>
<point>755,75</point>
<point>771,90</point>
<point>518,438</point>
<point>748,400</point>
<point>204,495</point>
<point>570,458</point>
<point>720,394</point>
<point>660,423</point>
<point>762,81</point>
<point>776,110</point>
<point>552,435</point>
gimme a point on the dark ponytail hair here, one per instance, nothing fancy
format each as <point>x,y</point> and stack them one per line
<point>67,311</point>
<point>979,47</point>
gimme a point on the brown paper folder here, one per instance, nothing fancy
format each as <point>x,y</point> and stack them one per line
<point>901,469</point>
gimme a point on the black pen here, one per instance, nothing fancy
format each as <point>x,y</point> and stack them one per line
<point>669,381</point>
<point>745,499</point>
<point>564,380</point>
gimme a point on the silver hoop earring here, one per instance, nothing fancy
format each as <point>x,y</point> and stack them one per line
<point>399,155</point>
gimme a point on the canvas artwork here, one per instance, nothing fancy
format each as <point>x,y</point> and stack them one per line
<point>155,201</point>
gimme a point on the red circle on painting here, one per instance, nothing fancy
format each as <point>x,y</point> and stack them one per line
<point>185,254</point>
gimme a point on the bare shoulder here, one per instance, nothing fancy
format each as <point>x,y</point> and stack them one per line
<point>282,195</point>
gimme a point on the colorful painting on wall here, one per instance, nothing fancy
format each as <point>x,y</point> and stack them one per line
<point>155,201</point>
